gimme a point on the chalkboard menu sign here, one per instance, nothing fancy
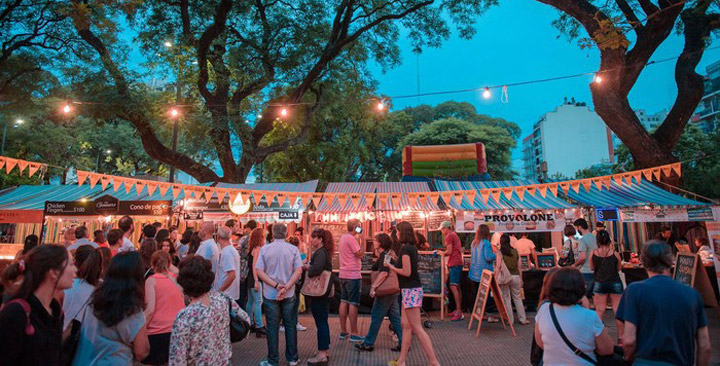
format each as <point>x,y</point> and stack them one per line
<point>415,218</point>
<point>336,260</point>
<point>367,261</point>
<point>435,219</point>
<point>546,261</point>
<point>685,267</point>
<point>466,261</point>
<point>430,270</point>
<point>483,291</point>
<point>337,229</point>
<point>525,262</point>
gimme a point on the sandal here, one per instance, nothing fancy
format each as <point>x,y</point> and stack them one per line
<point>364,347</point>
<point>318,361</point>
<point>396,348</point>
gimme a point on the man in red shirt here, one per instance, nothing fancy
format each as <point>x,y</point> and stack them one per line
<point>453,250</point>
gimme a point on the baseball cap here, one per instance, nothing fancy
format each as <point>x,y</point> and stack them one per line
<point>446,224</point>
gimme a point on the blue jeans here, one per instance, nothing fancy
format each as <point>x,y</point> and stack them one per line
<point>589,284</point>
<point>254,306</point>
<point>274,310</point>
<point>320,308</point>
<point>384,305</point>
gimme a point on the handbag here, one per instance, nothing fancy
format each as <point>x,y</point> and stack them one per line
<point>239,328</point>
<point>71,338</point>
<point>614,359</point>
<point>390,286</point>
<point>502,273</point>
<point>318,286</point>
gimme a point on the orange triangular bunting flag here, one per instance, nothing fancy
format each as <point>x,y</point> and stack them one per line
<point>382,199</point>
<point>176,189</point>
<point>293,199</point>
<point>647,173</point>
<point>677,168</point>
<point>565,187</point>
<point>496,194</point>
<point>94,178</point>
<point>542,189</point>
<point>618,179</point>
<point>607,182</point>
<point>458,195</point>
<point>221,193</point>
<point>666,170</point>
<point>395,199</point>
<point>104,181</point>
<point>129,183</point>
<point>355,199</point>
<point>234,194</point>
<point>2,162</point>
<point>342,199</point>
<point>656,173</point>
<point>412,198</point>
<point>139,186</point>
<point>507,192</point>
<point>575,185</point>
<point>531,190</point>
<point>520,191</point>
<point>244,196</point>
<point>314,197</point>
<point>10,164</point>
<point>163,188</point>
<point>471,196</point>
<point>485,194</point>
<point>270,197</point>
<point>369,198</point>
<point>434,197</point>
<point>282,197</point>
<point>587,184</point>
<point>553,187</point>
<point>598,184</point>
<point>151,188</point>
<point>208,192</point>
<point>22,164</point>
<point>447,196</point>
<point>35,166</point>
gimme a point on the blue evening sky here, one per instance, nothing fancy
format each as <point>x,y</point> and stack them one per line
<point>516,42</point>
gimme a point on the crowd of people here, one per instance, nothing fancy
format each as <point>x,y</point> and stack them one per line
<point>169,299</point>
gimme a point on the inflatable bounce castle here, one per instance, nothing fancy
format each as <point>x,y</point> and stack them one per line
<point>461,161</point>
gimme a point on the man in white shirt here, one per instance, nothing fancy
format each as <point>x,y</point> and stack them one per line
<point>127,226</point>
<point>208,249</point>
<point>228,273</point>
<point>524,245</point>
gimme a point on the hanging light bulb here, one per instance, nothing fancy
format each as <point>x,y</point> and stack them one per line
<point>283,112</point>
<point>597,79</point>
<point>66,109</point>
<point>380,106</point>
<point>174,112</point>
<point>486,93</point>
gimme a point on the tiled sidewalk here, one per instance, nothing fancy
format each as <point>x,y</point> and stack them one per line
<point>454,344</point>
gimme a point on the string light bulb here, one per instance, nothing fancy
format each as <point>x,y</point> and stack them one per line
<point>380,106</point>
<point>597,79</point>
<point>66,109</point>
<point>174,112</point>
<point>283,112</point>
<point>486,93</point>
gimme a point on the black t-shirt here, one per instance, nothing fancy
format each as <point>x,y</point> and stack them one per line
<point>379,265</point>
<point>413,280</point>
<point>40,348</point>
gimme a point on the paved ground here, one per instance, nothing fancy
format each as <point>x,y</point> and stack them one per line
<point>453,342</point>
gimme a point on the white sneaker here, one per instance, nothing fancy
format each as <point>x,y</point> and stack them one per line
<point>282,328</point>
<point>301,327</point>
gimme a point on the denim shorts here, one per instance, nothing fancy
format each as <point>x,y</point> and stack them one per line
<point>350,291</point>
<point>455,272</point>
<point>611,288</point>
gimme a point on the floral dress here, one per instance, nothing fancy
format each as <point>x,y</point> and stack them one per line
<point>201,334</point>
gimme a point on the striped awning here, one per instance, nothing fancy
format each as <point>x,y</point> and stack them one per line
<point>351,187</point>
<point>405,204</point>
<point>305,187</point>
<point>630,195</point>
<point>528,201</point>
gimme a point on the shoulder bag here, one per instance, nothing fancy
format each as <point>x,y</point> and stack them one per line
<point>390,286</point>
<point>318,286</point>
<point>614,359</point>
<point>239,328</point>
<point>71,337</point>
<point>569,259</point>
<point>502,273</point>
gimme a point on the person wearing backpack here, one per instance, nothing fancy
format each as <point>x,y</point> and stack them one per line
<point>31,322</point>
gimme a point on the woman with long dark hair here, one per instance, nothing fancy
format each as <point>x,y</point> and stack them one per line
<point>161,235</point>
<point>167,246</point>
<point>512,290</point>
<point>31,323</point>
<point>606,265</point>
<point>254,302</point>
<point>194,243</point>
<point>89,262</point>
<point>147,248</point>
<point>31,241</point>
<point>321,241</point>
<point>386,305</point>
<point>406,268</point>
<point>113,328</point>
<point>481,258</point>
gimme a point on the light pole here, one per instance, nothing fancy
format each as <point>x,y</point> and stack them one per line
<point>18,122</point>
<point>174,113</point>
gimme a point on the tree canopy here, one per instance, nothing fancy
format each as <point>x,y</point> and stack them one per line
<point>627,35</point>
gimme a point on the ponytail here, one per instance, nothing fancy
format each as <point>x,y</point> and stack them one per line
<point>38,262</point>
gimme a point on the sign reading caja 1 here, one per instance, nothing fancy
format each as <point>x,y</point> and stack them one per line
<point>515,221</point>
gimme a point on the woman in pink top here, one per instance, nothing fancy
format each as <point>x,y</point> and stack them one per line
<point>164,298</point>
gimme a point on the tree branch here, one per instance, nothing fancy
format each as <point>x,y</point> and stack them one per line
<point>629,14</point>
<point>648,7</point>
